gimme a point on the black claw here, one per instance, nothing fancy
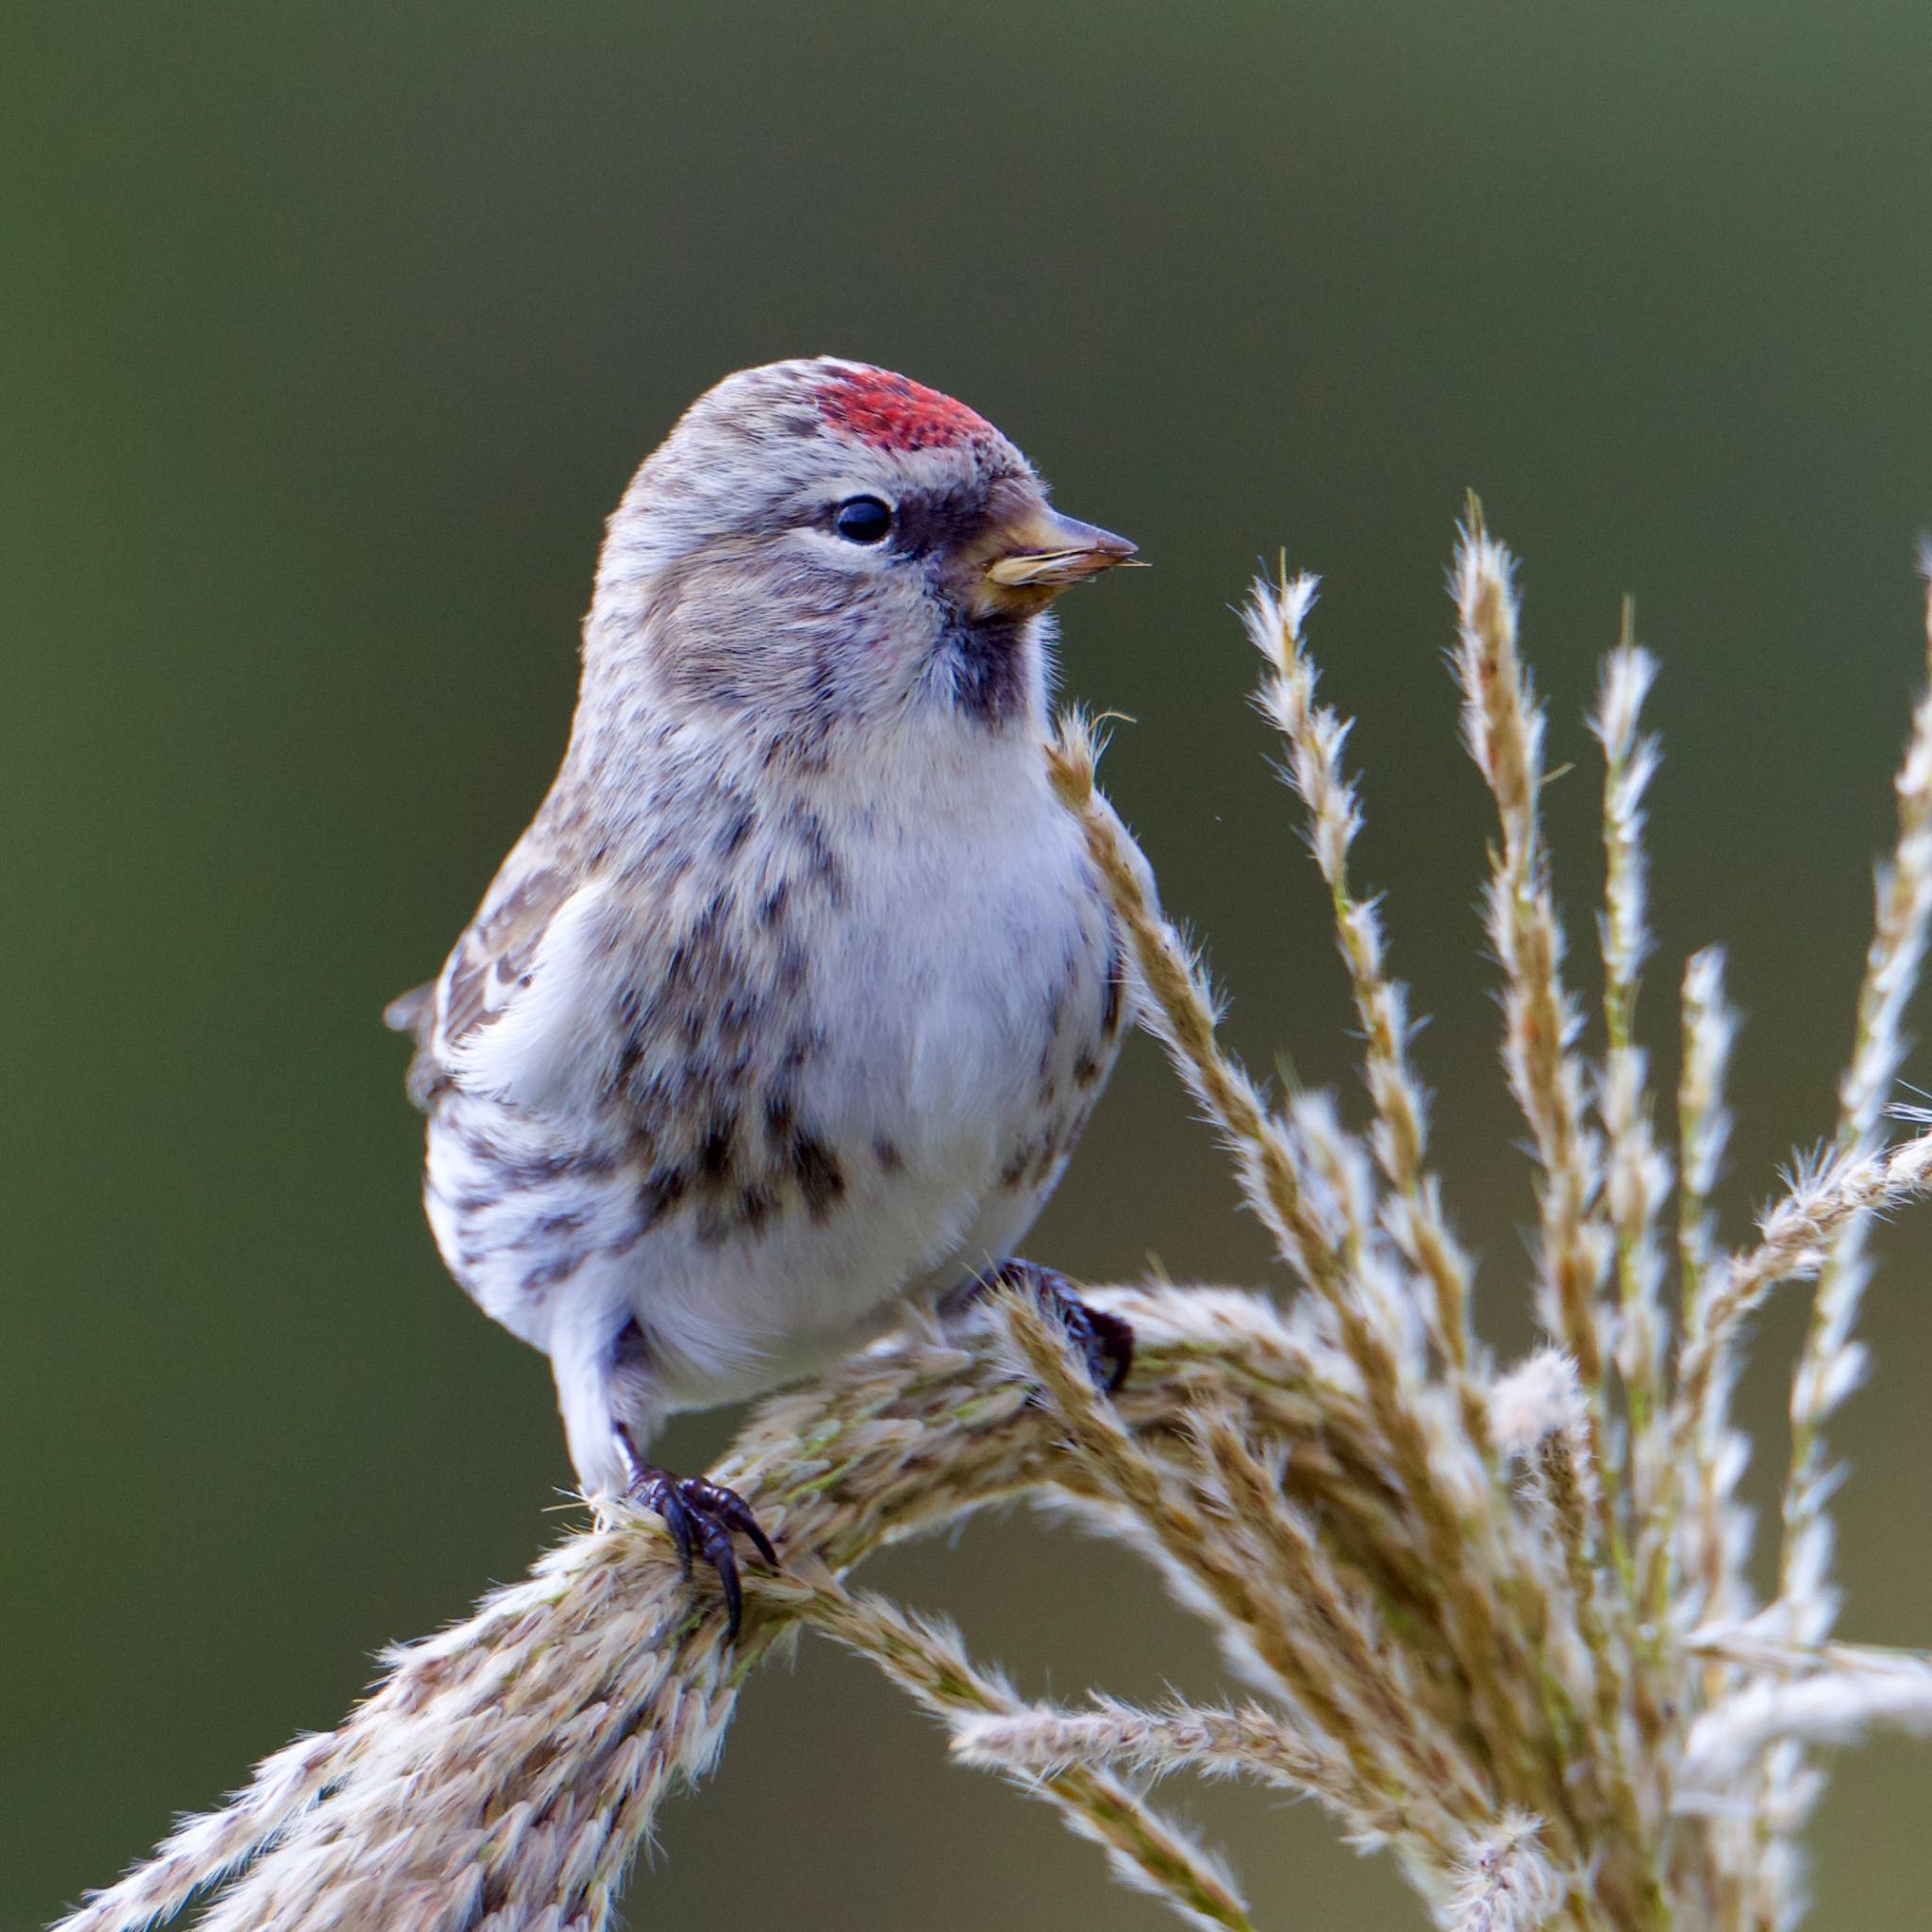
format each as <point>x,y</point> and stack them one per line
<point>1114,1340</point>
<point>701,1516</point>
<point>715,1500</point>
<point>660,1494</point>
<point>723,1559</point>
<point>1105,1341</point>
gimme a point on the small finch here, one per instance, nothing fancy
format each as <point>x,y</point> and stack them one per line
<point>791,1001</point>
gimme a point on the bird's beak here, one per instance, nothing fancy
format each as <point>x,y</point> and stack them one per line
<point>1046,552</point>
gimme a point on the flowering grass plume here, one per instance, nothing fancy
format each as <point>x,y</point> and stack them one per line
<point>1497,1622</point>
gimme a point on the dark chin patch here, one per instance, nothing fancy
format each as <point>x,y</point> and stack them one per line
<point>986,661</point>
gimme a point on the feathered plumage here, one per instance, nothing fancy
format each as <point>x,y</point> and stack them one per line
<point>798,989</point>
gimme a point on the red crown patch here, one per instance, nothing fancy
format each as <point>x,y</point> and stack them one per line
<point>894,412</point>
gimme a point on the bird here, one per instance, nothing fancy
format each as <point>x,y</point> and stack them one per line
<point>787,1007</point>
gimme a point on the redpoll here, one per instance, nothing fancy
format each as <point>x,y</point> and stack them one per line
<point>793,1000</point>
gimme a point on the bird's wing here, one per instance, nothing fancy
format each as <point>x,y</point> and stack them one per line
<point>492,962</point>
<point>486,1018</point>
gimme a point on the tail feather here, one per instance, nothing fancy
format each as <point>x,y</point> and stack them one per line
<point>409,1012</point>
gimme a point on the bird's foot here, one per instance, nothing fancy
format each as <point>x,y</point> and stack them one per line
<point>701,1516</point>
<point>1104,1341</point>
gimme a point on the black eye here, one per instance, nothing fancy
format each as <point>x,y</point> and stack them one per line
<point>862,520</point>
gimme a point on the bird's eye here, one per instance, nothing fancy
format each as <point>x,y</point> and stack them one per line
<point>862,520</point>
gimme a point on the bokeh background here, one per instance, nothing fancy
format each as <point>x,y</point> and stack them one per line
<point>330,334</point>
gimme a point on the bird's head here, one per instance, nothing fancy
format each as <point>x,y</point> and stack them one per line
<point>821,550</point>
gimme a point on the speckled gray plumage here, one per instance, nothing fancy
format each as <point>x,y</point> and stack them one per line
<point>799,989</point>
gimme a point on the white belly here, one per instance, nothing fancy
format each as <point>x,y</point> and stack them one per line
<point>965,1023</point>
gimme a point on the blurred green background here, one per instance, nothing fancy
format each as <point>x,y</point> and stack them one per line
<point>330,335</point>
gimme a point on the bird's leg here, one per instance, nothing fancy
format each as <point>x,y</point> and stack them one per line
<point>701,1516</point>
<point>1104,1341</point>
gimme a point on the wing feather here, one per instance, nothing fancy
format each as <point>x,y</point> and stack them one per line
<point>491,963</point>
<point>494,959</point>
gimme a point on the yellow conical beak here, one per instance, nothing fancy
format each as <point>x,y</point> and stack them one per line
<point>1047,552</point>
